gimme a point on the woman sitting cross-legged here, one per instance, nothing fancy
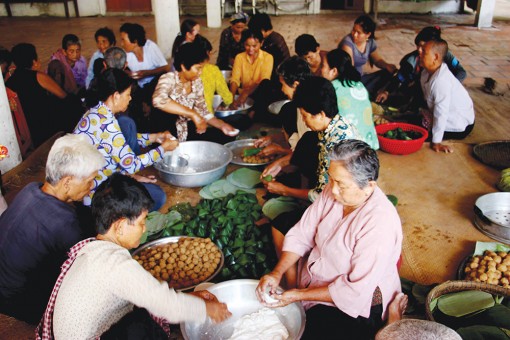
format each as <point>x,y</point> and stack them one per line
<point>109,96</point>
<point>345,248</point>
<point>103,292</point>
<point>179,96</point>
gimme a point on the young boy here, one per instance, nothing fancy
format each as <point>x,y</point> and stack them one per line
<point>67,66</point>
<point>105,38</point>
<point>448,101</point>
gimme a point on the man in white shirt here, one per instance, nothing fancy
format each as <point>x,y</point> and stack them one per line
<point>447,99</point>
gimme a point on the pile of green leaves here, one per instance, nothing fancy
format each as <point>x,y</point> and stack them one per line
<point>230,223</point>
<point>400,134</point>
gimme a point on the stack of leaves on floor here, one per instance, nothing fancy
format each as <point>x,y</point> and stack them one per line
<point>242,179</point>
<point>473,314</point>
<point>230,223</point>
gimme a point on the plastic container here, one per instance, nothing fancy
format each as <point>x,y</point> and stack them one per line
<point>400,147</point>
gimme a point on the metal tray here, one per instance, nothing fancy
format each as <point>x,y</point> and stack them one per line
<point>237,148</point>
<point>495,154</point>
<point>175,239</point>
<point>492,215</point>
<point>225,113</point>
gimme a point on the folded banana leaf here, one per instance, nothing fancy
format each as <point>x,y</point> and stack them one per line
<point>276,206</point>
<point>251,152</point>
<point>244,178</point>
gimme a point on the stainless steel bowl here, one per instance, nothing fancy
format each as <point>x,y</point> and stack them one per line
<point>239,295</point>
<point>492,215</point>
<point>276,107</point>
<point>225,113</point>
<point>175,239</point>
<point>207,162</point>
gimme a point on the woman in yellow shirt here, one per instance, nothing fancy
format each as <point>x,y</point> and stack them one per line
<point>250,68</point>
<point>213,80</point>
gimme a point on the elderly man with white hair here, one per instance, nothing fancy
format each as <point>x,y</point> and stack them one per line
<point>40,226</point>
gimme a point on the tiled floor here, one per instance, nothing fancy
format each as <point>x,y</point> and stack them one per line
<point>438,191</point>
<point>484,53</point>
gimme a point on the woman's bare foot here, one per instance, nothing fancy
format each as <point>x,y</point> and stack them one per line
<point>397,308</point>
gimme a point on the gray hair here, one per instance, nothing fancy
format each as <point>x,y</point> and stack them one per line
<point>411,329</point>
<point>115,57</point>
<point>358,158</point>
<point>72,155</point>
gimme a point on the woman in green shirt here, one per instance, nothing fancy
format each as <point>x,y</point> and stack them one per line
<point>352,96</point>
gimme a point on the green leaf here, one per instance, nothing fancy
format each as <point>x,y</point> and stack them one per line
<point>465,302</point>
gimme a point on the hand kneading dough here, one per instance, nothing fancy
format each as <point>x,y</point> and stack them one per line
<point>263,325</point>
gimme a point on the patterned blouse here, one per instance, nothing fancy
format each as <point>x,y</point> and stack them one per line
<point>337,130</point>
<point>102,128</point>
<point>170,87</point>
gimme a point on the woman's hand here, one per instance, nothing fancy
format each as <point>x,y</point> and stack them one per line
<point>275,187</point>
<point>270,150</point>
<point>200,123</point>
<point>217,311</point>
<point>229,130</point>
<point>284,299</point>
<point>138,74</point>
<point>391,68</point>
<point>170,144</point>
<point>145,179</point>
<point>205,295</point>
<point>267,285</point>
<point>262,142</point>
<point>272,169</point>
<point>239,101</point>
<point>382,96</point>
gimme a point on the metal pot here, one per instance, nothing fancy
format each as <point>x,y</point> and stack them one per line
<point>225,113</point>
<point>239,295</point>
<point>492,215</point>
<point>207,162</point>
<point>276,107</point>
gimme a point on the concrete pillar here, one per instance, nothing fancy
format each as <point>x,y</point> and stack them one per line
<point>7,134</point>
<point>485,13</point>
<point>166,16</point>
<point>213,13</point>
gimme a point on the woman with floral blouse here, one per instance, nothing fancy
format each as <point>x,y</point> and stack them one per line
<point>110,96</point>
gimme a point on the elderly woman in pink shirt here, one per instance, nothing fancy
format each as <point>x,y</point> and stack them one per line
<point>346,246</point>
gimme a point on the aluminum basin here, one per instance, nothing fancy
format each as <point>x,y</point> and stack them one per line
<point>239,295</point>
<point>207,162</point>
<point>225,113</point>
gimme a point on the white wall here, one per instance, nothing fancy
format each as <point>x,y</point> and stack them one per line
<point>7,134</point>
<point>395,6</point>
<point>85,7</point>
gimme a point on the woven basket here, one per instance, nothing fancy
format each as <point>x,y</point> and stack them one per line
<point>495,154</point>
<point>459,286</point>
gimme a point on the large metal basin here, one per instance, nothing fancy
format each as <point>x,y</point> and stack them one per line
<point>207,162</point>
<point>239,295</point>
<point>225,113</point>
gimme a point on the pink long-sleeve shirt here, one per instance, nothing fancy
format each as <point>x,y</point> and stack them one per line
<point>351,255</point>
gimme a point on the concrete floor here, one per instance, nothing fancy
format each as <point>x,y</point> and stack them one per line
<point>436,191</point>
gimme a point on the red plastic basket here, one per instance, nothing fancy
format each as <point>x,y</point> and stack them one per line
<point>400,147</point>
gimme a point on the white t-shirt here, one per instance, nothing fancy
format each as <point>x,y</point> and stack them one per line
<point>448,101</point>
<point>104,283</point>
<point>152,58</point>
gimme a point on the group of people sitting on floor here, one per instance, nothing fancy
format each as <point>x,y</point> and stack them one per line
<point>329,127</point>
